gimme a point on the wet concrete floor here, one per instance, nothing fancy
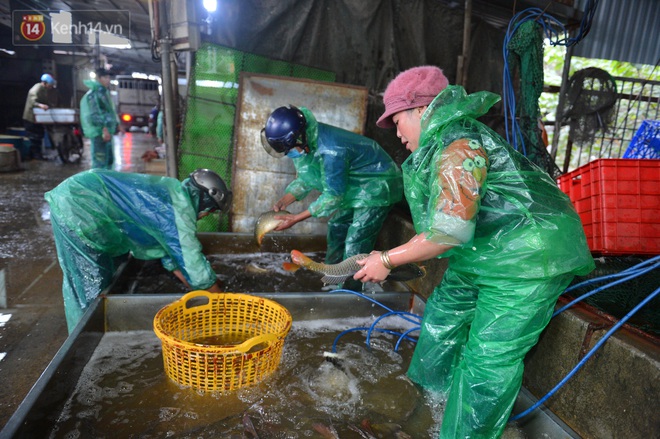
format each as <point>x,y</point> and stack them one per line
<point>32,323</point>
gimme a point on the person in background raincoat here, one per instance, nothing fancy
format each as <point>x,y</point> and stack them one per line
<point>37,98</point>
<point>100,215</point>
<point>513,240</point>
<point>359,182</point>
<point>99,119</point>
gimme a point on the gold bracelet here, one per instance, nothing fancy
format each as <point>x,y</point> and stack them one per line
<point>385,259</point>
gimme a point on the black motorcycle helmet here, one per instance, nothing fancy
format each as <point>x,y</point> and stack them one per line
<point>285,129</point>
<point>214,194</point>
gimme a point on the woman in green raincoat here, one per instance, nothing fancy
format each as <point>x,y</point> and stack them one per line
<point>100,215</point>
<point>359,182</point>
<point>513,240</point>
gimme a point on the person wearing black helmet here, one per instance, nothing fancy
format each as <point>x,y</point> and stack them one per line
<point>359,182</point>
<point>37,98</point>
<point>100,215</point>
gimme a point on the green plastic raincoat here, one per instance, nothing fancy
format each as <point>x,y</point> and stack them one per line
<point>517,244</point>
<point>358,181</point>
<point>96,112</point>
<point>99,215</point>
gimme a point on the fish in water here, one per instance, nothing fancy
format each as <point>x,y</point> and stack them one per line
<point>254,268</point>
<point>326,431</point>
<point>267,223</point>
<point>338,273</point>
<point>249,427</point>
<point>385,430</point>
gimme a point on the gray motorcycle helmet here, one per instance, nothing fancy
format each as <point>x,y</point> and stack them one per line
<point>214,192</point>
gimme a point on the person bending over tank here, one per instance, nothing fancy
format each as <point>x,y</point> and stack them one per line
<point>513,240</point>
<point>100,215</point>
<point>359,182</point>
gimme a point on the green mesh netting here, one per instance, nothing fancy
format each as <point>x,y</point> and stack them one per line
<point>526,56</point>
<point>207,133</point>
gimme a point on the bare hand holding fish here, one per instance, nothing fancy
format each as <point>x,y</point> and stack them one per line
<point>267,222</point>
<point>276,221</point>
<point>338,273</point>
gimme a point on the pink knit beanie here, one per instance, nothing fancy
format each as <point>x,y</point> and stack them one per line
<point>412,88</point>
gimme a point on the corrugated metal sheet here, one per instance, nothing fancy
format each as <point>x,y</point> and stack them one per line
<point>623,30</point>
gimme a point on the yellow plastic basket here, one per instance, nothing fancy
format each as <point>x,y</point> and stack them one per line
<point>221,342</point>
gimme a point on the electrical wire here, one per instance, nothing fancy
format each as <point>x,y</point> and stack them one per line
<point>586,357</point>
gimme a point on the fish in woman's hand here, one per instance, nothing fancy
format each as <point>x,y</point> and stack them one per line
<point>267,223</point>
<point>338,273</point>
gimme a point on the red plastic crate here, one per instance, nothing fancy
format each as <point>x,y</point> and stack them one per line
<point>618,201</point>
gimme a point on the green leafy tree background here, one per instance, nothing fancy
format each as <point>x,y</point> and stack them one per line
<point>554,57</point>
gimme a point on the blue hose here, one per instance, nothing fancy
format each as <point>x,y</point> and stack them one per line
<point>379,304</point>
<point>586,357</point>
<point>373,325</point>
<point>552,28</point>
<point>630,270</point>
<point>362,328</point>
<point>410,317</point>
<point>405,336</point>
<point>634,274</point>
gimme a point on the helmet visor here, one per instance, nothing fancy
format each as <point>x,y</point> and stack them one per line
<point>269,149</point>
<point>224,201</point>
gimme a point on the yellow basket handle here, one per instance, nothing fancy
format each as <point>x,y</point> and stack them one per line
<point>254,341</point>
<point>202,293</point>
<point>197,293</point>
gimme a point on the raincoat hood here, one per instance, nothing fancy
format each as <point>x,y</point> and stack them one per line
<point>454,103</point>
<point>193,192</point>
<point>311,129</point>
<point>93,84</point>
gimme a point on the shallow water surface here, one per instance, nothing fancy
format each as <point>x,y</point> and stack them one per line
<point>124,392</point>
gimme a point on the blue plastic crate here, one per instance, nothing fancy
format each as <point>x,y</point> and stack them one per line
<point>646,143</point>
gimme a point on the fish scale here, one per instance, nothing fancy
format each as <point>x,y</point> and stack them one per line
<point>337,273</point>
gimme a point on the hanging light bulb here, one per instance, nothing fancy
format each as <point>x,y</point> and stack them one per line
<point>210,5</point>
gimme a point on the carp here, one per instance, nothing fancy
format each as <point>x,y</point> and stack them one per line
<point>266,223</point>
<point>338,273</point>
